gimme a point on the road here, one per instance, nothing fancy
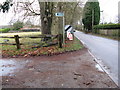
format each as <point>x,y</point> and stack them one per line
<point>105,50</point>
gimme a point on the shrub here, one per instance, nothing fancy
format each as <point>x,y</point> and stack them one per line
<point>17,25</point>
<point>107,26</point>
<point>5,30</point>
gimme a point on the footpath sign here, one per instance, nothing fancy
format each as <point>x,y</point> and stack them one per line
<point>59,14</point>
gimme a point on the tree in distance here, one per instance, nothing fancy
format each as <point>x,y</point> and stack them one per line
<point>17,25</point>
<point>91,14</point>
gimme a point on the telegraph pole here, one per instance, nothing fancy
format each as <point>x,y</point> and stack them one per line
<point>92,18</point>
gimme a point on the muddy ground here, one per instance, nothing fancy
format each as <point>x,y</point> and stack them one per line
<point>69,70</point>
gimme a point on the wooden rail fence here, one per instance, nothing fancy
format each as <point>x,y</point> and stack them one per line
<point>17,41</point>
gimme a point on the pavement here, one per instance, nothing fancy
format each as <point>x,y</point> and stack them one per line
<point>76,69</point>
<point>104,50</point>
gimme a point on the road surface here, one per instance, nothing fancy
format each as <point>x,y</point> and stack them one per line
<point>69,70</point>
<point>105,50</point>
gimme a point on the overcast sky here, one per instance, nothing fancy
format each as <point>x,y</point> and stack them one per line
<point>109,14</point>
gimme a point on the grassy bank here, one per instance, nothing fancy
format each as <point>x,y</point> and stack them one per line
<point>105,36</point>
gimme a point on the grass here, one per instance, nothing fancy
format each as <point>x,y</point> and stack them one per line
<point>27,50</point>
<point>21,34</point>
<point>22,40</point>
<point>5,30</point>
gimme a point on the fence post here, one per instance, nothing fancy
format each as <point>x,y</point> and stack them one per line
<point>60,40</point>
<point>17,41</point>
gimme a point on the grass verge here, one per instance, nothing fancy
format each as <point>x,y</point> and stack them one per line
<point>104,36</point>
<point>27,50</point>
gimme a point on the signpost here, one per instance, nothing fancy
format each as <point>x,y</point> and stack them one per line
<point>61,15</point>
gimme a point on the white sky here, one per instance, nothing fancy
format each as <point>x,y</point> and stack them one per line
<point>110,10</point>
<point>109,7</point>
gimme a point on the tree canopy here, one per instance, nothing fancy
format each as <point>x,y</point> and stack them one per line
<point>17,25</point>
<point>45,12</point>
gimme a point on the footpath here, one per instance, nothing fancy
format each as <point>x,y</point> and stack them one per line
<point>76,69</point>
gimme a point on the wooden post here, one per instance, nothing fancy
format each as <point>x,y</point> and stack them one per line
<point>17,41</point>
<point>60,40</point>
<point>60,27</point>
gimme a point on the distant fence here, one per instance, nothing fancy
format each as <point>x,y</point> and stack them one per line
<point>17,41</point>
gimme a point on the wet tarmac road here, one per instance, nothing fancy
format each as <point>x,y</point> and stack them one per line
<point>105,50</point>
<point>9,66</point>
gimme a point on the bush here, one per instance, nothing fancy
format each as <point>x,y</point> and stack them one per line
<point>5,30</point>
<point>17,25</point>
<point>107,26</point>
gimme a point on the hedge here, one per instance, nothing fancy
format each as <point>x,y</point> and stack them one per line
<point>107,26</point>
<point>5,30</point>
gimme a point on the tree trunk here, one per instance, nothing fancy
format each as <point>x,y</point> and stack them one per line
<point>73,15</point>
<point>46,9</point>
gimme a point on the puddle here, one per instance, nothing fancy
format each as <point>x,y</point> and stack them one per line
<point>8,67</point>
<point>99,68</point>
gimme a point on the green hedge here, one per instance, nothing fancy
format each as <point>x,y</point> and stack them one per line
<point>107,26</point>
<point>5,30</point>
